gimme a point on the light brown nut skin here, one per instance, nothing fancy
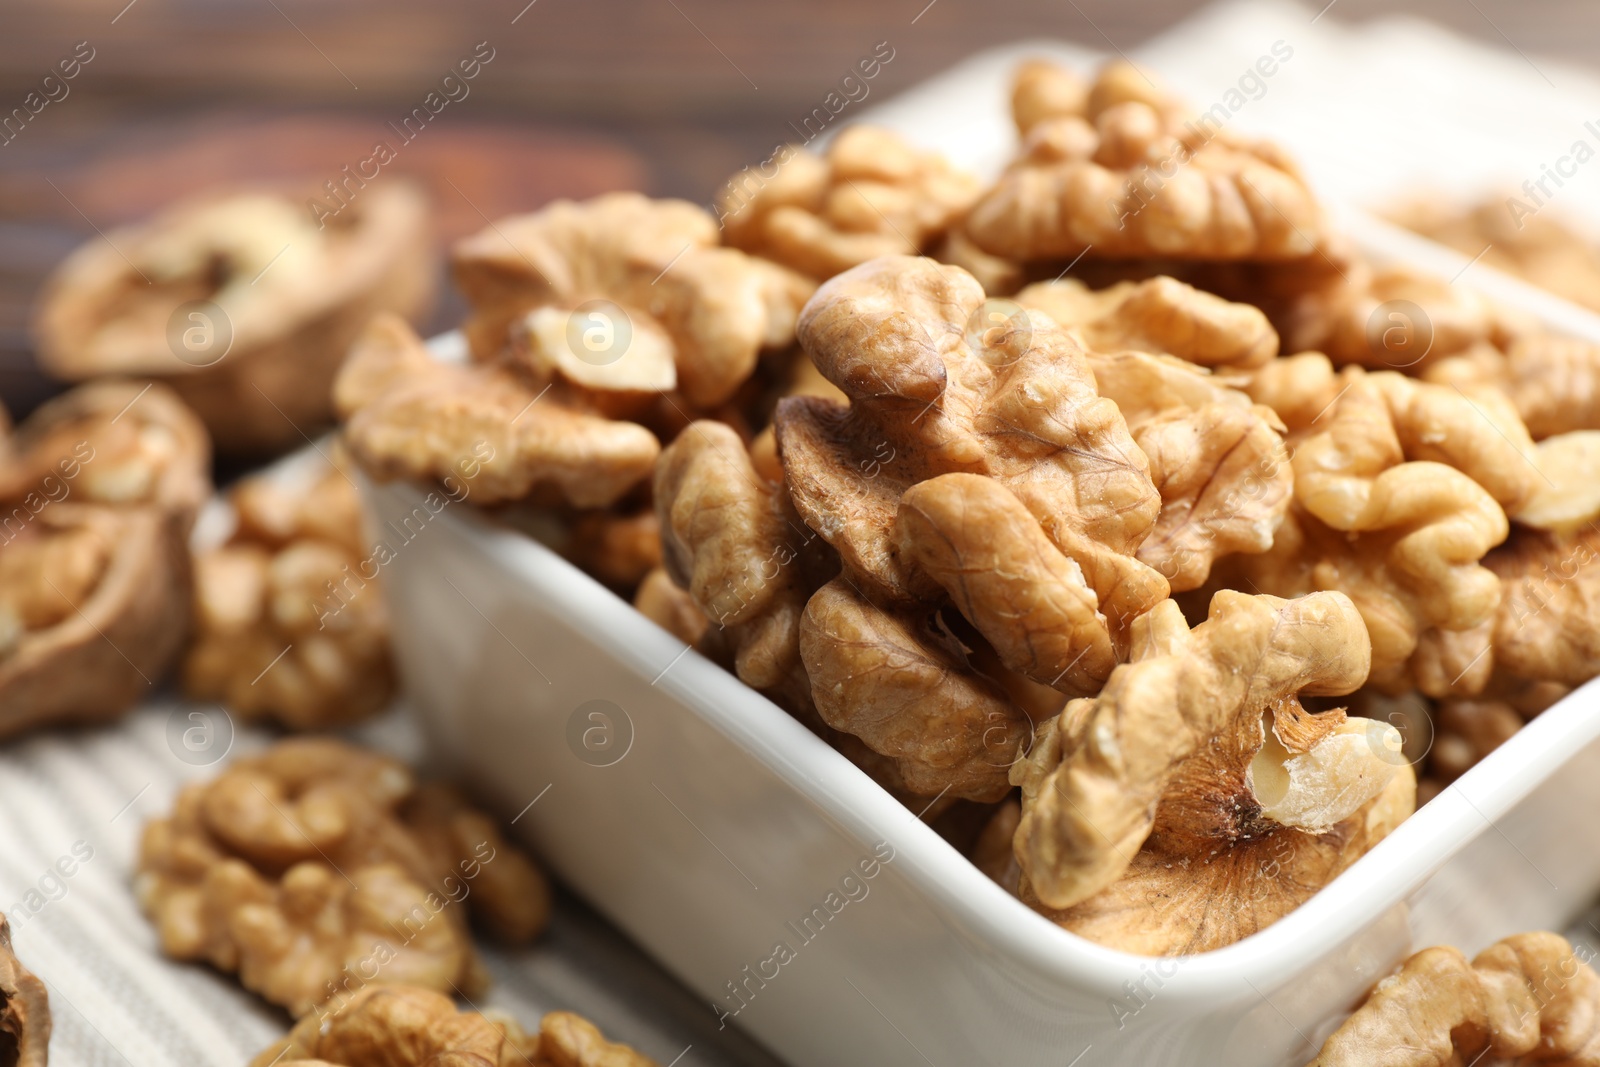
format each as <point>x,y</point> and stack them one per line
<point>714,308</point>
<point>661,601</point>
<point>1465,732</point>
<point>408,1026</point>
<point>1135,176</point>
<point>892,679</point>
<point>408,415</point>
<point>1550,596</point>
<point>290,623</point>
<point>1042,90</point>
<point>1523,1000</point>
<point>316,869</point>
<point>978,541</point>
<point>93,605</point>
<point>1218,462</point>
<point>1020,410</point>
<point>730,539</point>
<point>620,548</point>
<point>1363,318</point>
<point>510,896</point>
<point>1144,817</point>
<point>871,195</point>
<point>1553,381</point>
<point>1160,315</point>
<point>24,1009</point>
<point>117,443</point>
<point>1404,537</point>
<point>105,311</point>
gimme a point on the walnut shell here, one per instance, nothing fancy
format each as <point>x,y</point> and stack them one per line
<point>93,609</point>
<point>295,294</point>
<point>24,1009</point>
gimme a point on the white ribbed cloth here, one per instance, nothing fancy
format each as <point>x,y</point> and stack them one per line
<point>117,1002</point>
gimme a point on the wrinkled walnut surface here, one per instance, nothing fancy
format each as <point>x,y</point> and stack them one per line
<point>293,293</point>
<point>1217,459</point>
<point>700,314</point>
<point>408,1026</point>
<point>1553,381</point>
<point>1195,801</point>
<point>98,491</point>
<point>870,195</point>
<point>1397,490</point>
<point>976,473</point>
<point>1524,1000</point>
<point>24,1010</point>
<point>93,606</point>
<point>290,621</point>
<point>482,426</point>
<point>317,868</point>
<point>1123,170</point>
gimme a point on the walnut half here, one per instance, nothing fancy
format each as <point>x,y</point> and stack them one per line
<point>408,1026</point>
<point>1524,1000</point>
<point>317,868</point>
<point>24,1010</point>
<point>1195,800</point>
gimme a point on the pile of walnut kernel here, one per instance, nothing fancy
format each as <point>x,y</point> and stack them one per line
<point>1119,516</point>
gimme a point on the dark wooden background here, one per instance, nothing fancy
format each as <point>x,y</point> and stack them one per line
<point>667,96</point>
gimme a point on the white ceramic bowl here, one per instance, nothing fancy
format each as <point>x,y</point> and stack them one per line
<point>708,824</point>
<point>724,821</point>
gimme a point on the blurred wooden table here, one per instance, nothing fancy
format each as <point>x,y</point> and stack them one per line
<point>669,96</point>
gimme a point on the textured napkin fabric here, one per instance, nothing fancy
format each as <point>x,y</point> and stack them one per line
<point>72,807</point>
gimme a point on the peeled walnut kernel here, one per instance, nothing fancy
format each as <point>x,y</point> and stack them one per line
<point>661,601</point>
<point>1195,801</point>
<point>283,298</point>
<point>290,622</point>
<point>1544,628</point>
<point>481,429</point>
<point>317,868</point>
<point>974,482</point>
<point>1525,999</point>
<point>692,315</point>
<point>1394,318</point>
<point>1160,315</point>
<point>925,401</point>
<point>407,1026</point>
<point>1403,536</point>
<point>1217,460</point>
<point>1134,174</point>
<point>24,1010</point>
<point>871,195</point>
<point>730,539</point>
<point>1554,382</point>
